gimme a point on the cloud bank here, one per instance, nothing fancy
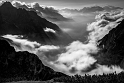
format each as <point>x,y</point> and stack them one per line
<point>104,23</point>
<point>27,45</point>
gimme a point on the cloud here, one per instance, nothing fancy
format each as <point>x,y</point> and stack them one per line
<point>49,30</point>
<point>17,39</point>
<point>47,48</point>
<point>106,70</point>
<point>22,44</point>
<point>111,16</point>
<point>18,3</point>
<point>30,46</point>
<point>77,55</point>
<point>78,52</point>
<point>104,23</point>
<point>2,1</point>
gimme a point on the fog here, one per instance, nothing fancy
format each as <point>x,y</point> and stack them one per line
<point>77,27</point>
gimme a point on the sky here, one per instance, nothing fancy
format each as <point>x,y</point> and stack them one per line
<point>77,3</point>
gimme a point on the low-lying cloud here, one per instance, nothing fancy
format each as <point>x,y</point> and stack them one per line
<point>49,30</point>
<point>78,55</point>
<point>103,24</point>
<point>27,45</point>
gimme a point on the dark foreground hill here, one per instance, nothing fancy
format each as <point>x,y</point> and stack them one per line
<point>19,66</point>
<point>19,21</point>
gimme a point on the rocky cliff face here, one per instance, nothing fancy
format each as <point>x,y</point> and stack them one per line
<point>18,21</point>
<point>112,47</point>
<point>23,65</point>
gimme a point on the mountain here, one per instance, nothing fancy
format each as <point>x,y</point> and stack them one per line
<point>112,47</point>
<point>111,8</point>
<point>46,12</point>
<point>22,65</point>
<point>18,21</point>
<point>92,9</point>
<point>51,13</point>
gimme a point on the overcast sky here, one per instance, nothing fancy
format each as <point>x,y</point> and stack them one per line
<point>77,3</point>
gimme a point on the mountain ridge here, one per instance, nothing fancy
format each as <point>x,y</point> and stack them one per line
<point>112,46</point>
<point>27,23</point>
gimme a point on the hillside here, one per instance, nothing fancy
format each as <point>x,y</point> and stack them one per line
<point>112,47</point>
<point>23,65</point>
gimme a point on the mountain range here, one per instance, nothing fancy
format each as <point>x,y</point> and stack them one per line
<point>92,9</point>
<point>19,21</point>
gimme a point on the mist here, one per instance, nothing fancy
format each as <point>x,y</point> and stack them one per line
<point>77,28</point>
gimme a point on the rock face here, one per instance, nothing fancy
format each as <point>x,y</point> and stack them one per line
<point>19,21</point>
<point>112,46</point>
<point>23,64</point>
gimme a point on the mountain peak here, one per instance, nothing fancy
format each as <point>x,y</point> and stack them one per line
<point>7,4</point>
